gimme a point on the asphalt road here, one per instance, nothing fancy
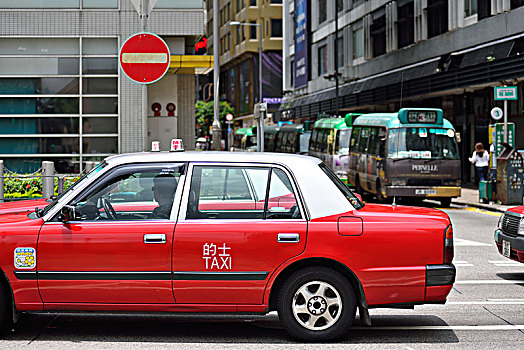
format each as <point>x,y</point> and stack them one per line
<point>484,311</point>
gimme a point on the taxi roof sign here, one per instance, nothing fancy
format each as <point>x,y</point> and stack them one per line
<point>177,145</point>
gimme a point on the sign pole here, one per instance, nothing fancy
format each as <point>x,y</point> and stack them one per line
<point>144,7</point>
<point>505,121</point>
<point>216,80</point>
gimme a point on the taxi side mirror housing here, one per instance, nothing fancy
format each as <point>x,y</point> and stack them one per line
<point>68,213</point>
<point>358,196</point>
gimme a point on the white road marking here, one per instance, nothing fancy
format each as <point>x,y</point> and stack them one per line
<point>505,263</point>
<point>490,282</point>
<point>462,263</point>
<point>493,302</point>
<point>467,243</point>
<point>447,328</point>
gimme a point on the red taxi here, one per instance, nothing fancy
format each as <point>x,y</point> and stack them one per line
<point>222,232</point>
<point>509,235</point>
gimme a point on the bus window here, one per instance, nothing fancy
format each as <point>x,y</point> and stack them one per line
<point>342,142</point>
<point>304,141</point>
<point>291,142</point>
<point>323,140</point>
<point>312,141</point>
<point>381,143</point>
<point>355,135</point>
<point>363,141</point>
<point>373,138</point>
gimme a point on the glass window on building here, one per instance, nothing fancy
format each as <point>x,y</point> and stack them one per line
<point>470,7</point>
<point>358,43</point>
<point>179,4</point>
<point>437,11</point>
<point>253,29</point>
<point>322,11</point>
<point>58,4</point>
<point>405,25</point>
<point>276,28</point>
<point>322,60</point>
<point>252,2</point>
<point>54,110</point>
<point>340,5</point>
<point>378,36</point>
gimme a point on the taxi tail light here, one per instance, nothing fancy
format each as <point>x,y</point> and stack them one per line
<point>448,245</point>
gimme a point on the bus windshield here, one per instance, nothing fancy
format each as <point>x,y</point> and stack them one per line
<point>343,137</point>
<point>422,142</point>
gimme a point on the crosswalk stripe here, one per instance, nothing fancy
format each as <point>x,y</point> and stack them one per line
<point>446,328</point>
<point>490,282</point>
<point>467,243</point>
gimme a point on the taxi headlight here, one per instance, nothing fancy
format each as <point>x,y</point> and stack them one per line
<point>521,227</point>
<point>499,224</point>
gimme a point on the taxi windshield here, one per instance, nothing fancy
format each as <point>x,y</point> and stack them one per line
<point>423,143</point>
<point>82,180</point>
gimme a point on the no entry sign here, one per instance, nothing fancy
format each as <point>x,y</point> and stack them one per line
<point>144,58</point>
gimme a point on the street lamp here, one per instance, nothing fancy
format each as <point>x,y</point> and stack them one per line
<point>260,122</point>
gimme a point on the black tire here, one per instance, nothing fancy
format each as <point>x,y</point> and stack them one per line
<point>380,196</point>
<point>445,202</point>
<point>332,321</point>
<point>6,311</point>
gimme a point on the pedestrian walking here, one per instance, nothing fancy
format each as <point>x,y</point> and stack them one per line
<point>480,160</point>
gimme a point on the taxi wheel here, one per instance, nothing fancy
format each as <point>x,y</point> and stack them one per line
<point>317,304</point>
<point>6,321</point>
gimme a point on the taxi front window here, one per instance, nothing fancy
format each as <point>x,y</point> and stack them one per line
<point>422,142</point>
<point>71,188</point>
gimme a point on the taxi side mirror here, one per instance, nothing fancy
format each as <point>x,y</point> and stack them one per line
<point>358,196</point>
<point>68,213</point>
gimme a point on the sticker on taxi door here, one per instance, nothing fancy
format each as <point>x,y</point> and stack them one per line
<point>25,258</point>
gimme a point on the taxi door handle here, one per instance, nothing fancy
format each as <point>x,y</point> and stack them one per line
<point>155,238</point>
<point>288,238</point>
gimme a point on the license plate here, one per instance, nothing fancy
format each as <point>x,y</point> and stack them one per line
<point>506,248</point>
<point>425,191</point>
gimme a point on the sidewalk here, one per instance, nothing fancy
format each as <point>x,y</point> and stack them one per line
<point>471,198</point>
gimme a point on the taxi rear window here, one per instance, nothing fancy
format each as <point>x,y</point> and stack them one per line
<point>355,202</point>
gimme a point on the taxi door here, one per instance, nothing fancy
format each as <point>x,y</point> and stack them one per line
<point>223,252</point>
<point>115,251</point>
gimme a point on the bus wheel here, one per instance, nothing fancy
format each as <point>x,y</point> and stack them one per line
<point>445,202</point>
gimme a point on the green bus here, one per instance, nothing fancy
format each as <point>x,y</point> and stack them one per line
<point>245,140</point>
<point>292,138</point>
<point>330,142</point>
<point>412,153</point>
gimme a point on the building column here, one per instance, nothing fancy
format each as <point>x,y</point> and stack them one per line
<point>391,26</point>
<point>455,14</point>
<point>368,47</point>
<point>186,110</point>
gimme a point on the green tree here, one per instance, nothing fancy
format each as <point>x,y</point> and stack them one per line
<point>204,114</point>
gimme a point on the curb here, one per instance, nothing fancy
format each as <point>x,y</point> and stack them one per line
<point>481,206</point>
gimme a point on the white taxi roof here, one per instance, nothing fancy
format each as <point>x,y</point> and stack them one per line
<point>321,195</point>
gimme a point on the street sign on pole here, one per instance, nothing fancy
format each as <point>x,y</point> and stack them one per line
<point>496,113</point>
<point>505,93</point>
<point>229,117</point>
<point>145,58</point>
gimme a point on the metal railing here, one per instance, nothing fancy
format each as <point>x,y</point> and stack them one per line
<point>46,173</point>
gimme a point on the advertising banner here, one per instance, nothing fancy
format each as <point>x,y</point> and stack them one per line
<point>301,47</point>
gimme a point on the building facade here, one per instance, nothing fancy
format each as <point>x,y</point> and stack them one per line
<point>63,96</point>
<point>238,52</point>
<point>446,54</point>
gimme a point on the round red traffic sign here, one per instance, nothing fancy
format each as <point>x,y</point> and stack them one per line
<point>144,58</point>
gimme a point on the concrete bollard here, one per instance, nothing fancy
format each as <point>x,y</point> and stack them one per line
<point>89,166</point>
<point>60,185</point>
<point>48,179</point>
<point>1,181</point>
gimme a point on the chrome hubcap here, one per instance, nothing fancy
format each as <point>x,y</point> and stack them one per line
<point>317,305</point>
